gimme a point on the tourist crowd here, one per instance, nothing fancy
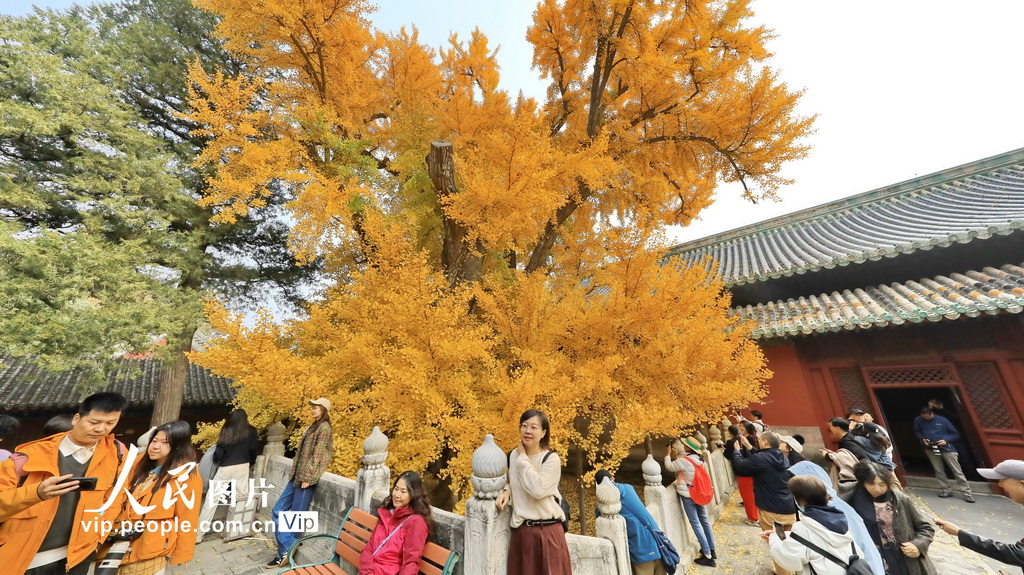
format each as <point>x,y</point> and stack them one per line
<point>58,493</point>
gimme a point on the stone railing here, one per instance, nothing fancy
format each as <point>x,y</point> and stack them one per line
<point>482,535</point>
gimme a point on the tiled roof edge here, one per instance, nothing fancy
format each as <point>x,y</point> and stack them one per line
<point>991,291</point>
<point>877,195</point>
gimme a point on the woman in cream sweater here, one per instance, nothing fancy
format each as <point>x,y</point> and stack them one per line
<point>537,545</point>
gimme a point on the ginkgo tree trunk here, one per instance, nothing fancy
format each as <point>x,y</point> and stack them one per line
<point>486,253</point>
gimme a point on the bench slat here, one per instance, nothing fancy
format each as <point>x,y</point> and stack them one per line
<point>325,569</point>
<point>428,569</point>
<point>434,559</point>
<point>348,554</point>
<point>353,538</point>
<point>362,519</point>
<point>435,553</point>
<point>355,533</point>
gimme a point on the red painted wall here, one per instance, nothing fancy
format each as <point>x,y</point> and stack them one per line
<point>802,392</point>
<point>790,400</point>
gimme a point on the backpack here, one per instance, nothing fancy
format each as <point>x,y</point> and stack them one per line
<point>855,565</point>
<point>843,462</point>
<point>20,459</point>
<point>560,499</point>
<point>881,458</point>
<point>874,454</point>
<point>701,491</point>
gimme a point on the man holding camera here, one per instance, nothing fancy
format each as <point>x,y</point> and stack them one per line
<point>937,435</point>
<point>52,488</point>
<point>861,418</point>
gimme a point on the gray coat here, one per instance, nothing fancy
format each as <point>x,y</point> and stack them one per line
<point>909,524</point>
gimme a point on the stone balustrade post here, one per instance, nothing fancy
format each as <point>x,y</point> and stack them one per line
<point>611,525</point>
<point>374,476</point>
<point>274,446</point>
<point>700,439</point>
<point>487,529</point>
<point>275,440</point>
<point>716,439</point>
<point>660,500</point>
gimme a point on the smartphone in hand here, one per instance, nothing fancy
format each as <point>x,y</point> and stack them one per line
<point>84,483</point>
<point>780,530</point>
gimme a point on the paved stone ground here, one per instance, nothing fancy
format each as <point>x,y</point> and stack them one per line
<point>992,516</point>
<point>742,552</point>
<point>216,557</point>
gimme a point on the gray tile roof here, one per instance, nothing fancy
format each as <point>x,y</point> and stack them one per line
<point>969,202</point>
<point>988,292</point>
<point>26,387</point>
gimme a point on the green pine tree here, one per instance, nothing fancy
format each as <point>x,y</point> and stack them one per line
<point>102,243</point>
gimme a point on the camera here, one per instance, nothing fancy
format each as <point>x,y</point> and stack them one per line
<point>127,534</point>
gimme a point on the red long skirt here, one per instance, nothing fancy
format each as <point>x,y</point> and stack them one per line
<point>538,551</point>
<point>746,485</point>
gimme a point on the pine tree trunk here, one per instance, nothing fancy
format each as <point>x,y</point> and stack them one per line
<point>171,390</point>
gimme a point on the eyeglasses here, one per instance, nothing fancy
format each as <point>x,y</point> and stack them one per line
<point>527,427</point>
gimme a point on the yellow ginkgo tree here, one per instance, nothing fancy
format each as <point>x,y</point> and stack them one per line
<point>485,253</point>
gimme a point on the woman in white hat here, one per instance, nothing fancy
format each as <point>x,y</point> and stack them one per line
<point>311,461</point>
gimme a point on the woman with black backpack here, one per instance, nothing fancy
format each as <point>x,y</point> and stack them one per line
<point>537,545</point>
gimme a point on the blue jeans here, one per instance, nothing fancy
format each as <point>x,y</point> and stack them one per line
<point>698,517</point>
<point>293,498</point>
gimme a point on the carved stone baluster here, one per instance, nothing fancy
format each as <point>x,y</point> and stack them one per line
<point>487,529</point>
<point>716,439</point>
<point>374,476</point>
<point>274,446</point>
<point>612,526</point>
<point>662,502</point>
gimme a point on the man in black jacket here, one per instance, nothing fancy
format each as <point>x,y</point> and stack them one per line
<point>1010,475</point>
<point>840,429</point>
<point>770,470</point>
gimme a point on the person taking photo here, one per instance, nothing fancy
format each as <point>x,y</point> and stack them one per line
<point>39,503</point>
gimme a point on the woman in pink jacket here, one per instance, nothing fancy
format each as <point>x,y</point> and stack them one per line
<point>396,544</point>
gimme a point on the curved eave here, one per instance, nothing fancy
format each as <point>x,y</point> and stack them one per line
<point>941,298</point>
<point>960,205</point>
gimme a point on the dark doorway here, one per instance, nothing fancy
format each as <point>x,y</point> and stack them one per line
<point>899,408</point>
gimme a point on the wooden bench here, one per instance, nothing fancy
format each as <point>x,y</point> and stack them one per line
<point>355,532</point>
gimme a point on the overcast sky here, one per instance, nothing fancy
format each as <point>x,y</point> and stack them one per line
<point>902,88</point>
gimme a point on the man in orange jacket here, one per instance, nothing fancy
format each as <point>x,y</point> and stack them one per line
<point>50,526</point>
